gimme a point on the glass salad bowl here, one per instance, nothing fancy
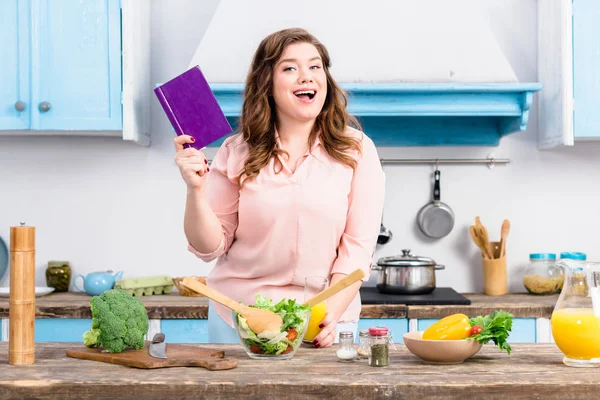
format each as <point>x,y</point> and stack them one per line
<point>283,345</point>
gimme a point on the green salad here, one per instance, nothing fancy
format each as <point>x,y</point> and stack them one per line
<point>295,319</point>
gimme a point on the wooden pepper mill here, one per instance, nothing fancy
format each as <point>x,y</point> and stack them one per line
<point>21,348</point>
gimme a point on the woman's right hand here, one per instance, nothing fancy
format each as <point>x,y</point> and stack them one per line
<point>192,163</point>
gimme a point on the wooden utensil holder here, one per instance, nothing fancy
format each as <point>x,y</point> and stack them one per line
<point>21,346</point>
<point>494,273</point>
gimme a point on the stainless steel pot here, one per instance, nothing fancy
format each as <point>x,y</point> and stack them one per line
<point>406,274</point>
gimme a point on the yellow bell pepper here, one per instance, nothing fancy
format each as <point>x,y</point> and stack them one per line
<point>452,327</point>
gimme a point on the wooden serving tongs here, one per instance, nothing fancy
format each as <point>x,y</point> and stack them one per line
<point>261,320</point>
<point>480,236</point>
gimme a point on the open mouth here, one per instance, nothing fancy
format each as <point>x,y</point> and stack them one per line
<point>306,95</point>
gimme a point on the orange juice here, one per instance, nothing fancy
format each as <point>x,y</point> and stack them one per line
<point>576,332</point>
<point>317,313</point>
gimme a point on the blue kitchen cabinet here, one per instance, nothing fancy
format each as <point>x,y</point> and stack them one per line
<point>586,68</point>
<point>15,107</point>
<point>523,329</point>
<point>569,68</point>
<point>61,329</point>
<point>76,68</point>
<point>185,330</point>
<point>62,62</point>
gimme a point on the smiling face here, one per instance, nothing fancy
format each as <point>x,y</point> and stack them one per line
<point>299,83</point>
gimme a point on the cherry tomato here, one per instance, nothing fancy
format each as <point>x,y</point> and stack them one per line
<point>292,334</point>
<point>256,349</point>
<point>476,330</point>
<point>287,350</point>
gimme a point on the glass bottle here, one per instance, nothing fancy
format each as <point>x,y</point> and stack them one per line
<point>58,275</point>
<point>576,317</point>
<point>363,344</point>
<point>346,351</point>
<point>542,275</point>
<point>379,347</point>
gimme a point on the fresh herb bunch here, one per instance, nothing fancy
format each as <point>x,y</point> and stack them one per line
<point>495,327</point>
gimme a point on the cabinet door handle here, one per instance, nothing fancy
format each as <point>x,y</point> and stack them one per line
<point>44,106</point>
<point>20,105</point>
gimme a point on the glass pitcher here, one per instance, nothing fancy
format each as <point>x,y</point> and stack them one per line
<point>576,316</point>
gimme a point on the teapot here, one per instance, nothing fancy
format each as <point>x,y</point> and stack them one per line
<point>576,316</point>
<point>97,282</point>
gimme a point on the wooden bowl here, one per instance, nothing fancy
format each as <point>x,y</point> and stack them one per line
<point>440,351</point>
<point>184,290</point>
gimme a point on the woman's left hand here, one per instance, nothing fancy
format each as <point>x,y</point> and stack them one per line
<point>328,331</point>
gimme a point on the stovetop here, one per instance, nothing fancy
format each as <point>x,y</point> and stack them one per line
<point>440,296</point>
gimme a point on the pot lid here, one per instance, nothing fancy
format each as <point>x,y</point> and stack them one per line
<point>406,260</point>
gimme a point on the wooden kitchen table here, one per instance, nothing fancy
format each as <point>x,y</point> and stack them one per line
<point>531,371</point>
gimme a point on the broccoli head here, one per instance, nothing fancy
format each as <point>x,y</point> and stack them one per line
<point>118,320</point>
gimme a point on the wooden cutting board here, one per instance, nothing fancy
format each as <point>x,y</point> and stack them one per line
<point>179,355</point>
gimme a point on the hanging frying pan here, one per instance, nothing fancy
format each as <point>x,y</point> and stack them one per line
<point>436,219</point>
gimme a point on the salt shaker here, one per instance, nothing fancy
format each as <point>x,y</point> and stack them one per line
<point>346,352</point>
<point>21,346</point>
<point>363,344</point>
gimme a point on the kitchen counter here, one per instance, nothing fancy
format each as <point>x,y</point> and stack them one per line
<point>175,306</point>
<point>531,371</point>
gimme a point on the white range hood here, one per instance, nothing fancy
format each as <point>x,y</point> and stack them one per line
<point>427,72</point>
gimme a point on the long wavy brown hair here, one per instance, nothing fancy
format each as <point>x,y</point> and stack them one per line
<point>258,117</point>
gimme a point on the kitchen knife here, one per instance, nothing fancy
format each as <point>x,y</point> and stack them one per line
<point>157,348</point>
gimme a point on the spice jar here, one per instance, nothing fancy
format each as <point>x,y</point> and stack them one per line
<point>542,275</point>
<point>363,343</point>
<point>346,351</point>
<point>378,347</point>
<point>58,275</point>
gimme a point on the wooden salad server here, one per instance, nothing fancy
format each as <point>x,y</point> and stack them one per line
<point>354,276</point>
<point>259,320</point>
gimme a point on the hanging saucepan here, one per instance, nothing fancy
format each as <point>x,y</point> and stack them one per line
<point>436,219</point>
<point>406,274</point>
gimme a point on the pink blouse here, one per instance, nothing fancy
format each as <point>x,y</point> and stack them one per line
<point>281,227</point>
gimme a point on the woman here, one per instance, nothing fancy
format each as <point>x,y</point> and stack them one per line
<point>296,192</point>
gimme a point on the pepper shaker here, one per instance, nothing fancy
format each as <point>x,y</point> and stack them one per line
<point>21,347</point>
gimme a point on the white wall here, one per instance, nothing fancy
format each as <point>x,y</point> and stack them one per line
<point>102,203</point>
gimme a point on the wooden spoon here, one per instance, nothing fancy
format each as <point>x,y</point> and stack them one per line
<point>503,235</point>
<point>478,240</point>
<point>483,232</point>
<point>352,277</point>
<point>258,319</point>
<point>486,240</point>
<point>478,221</point>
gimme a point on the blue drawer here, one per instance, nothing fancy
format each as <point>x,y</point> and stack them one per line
<point>523,331</point>
<point>185,330</point>
<point>425,323</point>
<point>61,329</point>
<point>398,327</point>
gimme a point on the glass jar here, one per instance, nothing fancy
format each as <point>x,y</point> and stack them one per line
<point>58,275</point>
<point>363,344</point>
<point>378,347</point>
<point>578,280</point>
<point>542,275</point>
<point>346,352</point>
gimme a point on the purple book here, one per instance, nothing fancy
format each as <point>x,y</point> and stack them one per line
<point>192,108</point>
